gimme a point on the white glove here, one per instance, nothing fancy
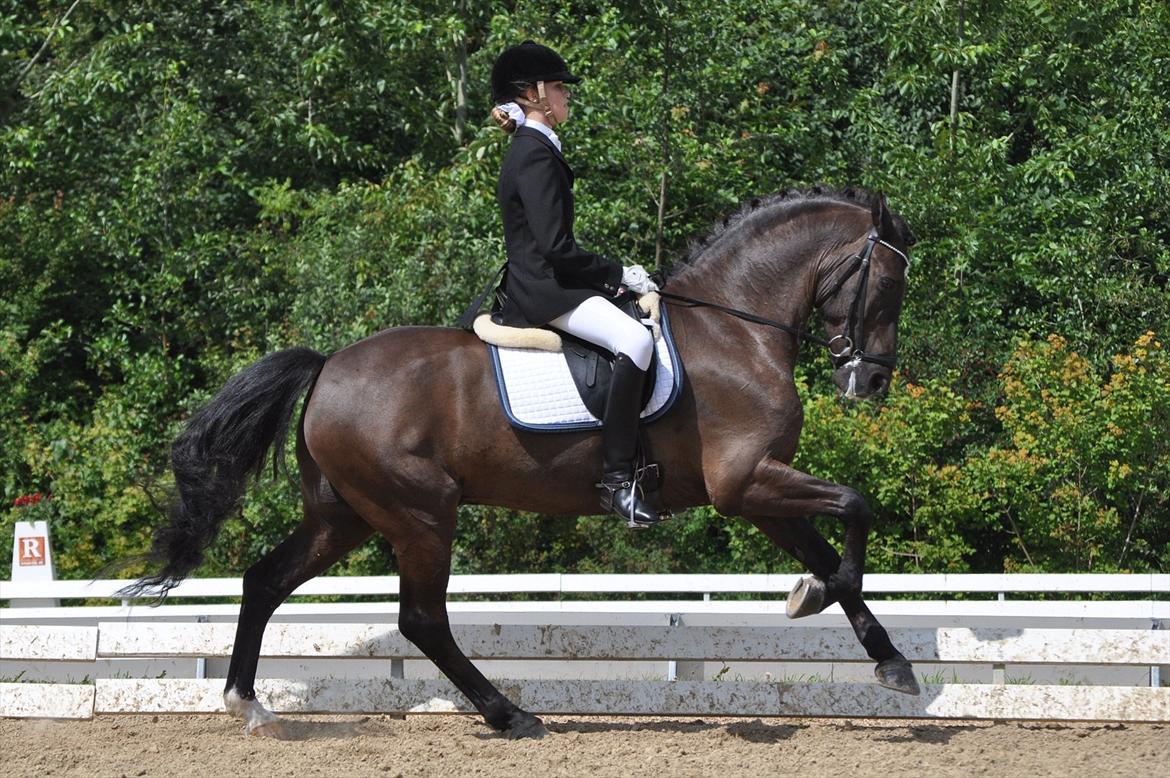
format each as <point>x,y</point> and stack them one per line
<point>637,280</point>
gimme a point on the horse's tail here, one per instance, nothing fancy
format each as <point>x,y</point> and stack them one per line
<point>226,440</point>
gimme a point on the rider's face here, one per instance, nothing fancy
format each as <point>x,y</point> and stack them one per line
<point>558,95</point>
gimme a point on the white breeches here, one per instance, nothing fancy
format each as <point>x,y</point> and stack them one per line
<point>599,321</point>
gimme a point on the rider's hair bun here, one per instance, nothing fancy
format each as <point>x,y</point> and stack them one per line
<point>506,122</point>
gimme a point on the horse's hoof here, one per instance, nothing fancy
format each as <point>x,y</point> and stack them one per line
<point>526,726</point>
<point>806,598</point>
<point>272,729</point>
<point>897,674</point>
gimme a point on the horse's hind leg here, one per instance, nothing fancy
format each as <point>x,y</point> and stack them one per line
<point>802,540</point>
<point>327,533</point>
<point>424,563</point>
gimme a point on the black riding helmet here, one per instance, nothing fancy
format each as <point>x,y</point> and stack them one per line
<point>524,65</point>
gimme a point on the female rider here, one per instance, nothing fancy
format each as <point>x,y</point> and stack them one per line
<point>550,280</point>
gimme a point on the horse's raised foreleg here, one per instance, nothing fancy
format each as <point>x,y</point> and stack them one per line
<point>324,536</point>
<point>776,494</point>
<point>778,491</point>
<point>424,568</point>
<point>802,540</point>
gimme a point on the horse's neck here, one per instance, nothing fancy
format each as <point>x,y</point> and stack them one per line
<point>780,286</point>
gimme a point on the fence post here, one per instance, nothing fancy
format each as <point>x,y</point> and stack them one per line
<point>999,671</point>
<point>201,662</point>
<point>1156,670</point>
<point>682,670</point>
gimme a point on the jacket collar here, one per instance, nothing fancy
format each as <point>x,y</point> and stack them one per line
<point>535,133</point>
<point>546,131</point>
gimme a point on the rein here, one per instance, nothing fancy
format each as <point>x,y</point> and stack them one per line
<point>852,333</point>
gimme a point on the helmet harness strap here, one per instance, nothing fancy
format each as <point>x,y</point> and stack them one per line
<point>542,104</point>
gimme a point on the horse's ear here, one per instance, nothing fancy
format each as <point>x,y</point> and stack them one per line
<point>879,212</point>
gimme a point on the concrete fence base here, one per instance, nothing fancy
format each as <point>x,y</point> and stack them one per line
<point>593,697</point>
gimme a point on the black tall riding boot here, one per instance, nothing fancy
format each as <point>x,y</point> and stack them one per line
<point>620,491</point>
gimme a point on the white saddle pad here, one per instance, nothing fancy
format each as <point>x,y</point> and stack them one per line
<point>538,392</point>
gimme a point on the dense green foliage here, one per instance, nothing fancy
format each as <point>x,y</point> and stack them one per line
<point>185,186</point>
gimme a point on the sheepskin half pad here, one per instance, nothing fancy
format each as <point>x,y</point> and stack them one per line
<point>546,340</point>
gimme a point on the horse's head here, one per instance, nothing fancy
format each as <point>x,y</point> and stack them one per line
<point>843,253</point>
<point>860,301</point>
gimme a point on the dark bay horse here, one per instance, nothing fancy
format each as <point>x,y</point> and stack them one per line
<point>400,428</point>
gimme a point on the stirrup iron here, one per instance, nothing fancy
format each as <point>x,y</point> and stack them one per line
<point>625,497</point>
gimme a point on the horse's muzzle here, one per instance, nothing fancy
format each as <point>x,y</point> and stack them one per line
<point>859,380</point>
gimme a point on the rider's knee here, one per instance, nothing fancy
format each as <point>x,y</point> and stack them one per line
<point>637,343</point>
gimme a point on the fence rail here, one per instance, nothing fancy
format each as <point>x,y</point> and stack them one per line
<point>793,644</point>
<point>558,583</point>
<point>766,636</point>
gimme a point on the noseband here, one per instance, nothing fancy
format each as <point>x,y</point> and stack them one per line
<point>841,347</point>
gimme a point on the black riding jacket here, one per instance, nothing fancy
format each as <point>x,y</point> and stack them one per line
<point>548,273</point>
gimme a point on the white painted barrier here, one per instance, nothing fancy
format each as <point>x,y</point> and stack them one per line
<point>118,695</point>
<point>1032,633</point>
<point>558,583</point>
<point>329,695</point>
<point>20,641</point>
<point>654,698</point>
<point>793,644</point>
<point>47,700</point>
<point>993,613</point>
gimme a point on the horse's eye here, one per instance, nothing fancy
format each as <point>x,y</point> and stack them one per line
<point>887,283</point>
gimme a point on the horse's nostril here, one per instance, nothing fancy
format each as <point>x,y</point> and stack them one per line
<point>879,383</point>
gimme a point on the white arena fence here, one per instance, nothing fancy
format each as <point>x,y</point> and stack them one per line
<point>984,646</point>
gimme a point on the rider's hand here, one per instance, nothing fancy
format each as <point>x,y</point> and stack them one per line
<point>638,280</point>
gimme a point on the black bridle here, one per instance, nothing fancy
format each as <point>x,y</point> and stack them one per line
<point>841,347</point>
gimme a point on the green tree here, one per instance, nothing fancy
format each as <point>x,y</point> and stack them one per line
<point>186,186</point>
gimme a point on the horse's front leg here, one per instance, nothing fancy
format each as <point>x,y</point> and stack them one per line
<point>777,491</point>
<point>780,500</point>
<point>802,540</point>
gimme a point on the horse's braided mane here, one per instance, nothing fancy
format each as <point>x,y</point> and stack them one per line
<point>786,198</point>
